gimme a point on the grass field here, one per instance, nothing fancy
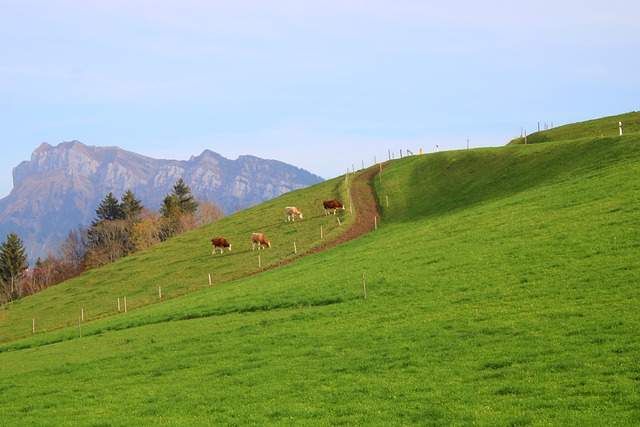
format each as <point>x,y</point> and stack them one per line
<point>502,289</point>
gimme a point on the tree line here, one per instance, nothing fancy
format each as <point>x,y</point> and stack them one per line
<point>120,228</point>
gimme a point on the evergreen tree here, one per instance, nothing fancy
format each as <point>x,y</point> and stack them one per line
<point>109,210</point>
<point>186,203</point>
<point>177,211</point>
<point>13,263</point>
<point>131,207</point>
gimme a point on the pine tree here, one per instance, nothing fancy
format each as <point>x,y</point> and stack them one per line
<point>131,207</point>
<point>177,211</point>
<point>185,201</point>
<point>109,210</point>
<point>13,263</point>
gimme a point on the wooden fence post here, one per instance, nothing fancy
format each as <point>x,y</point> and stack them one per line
<point>295,249</point>
<point>364,286</point>
<point>209,279</point>
<point>159,292</point>
<point>33,326</point>
<point>118,304</point>
<point>125,304</point>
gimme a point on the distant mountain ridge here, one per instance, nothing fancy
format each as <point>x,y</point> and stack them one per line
<point>60,187</point>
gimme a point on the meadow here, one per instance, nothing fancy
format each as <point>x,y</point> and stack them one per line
<point>501,289</point>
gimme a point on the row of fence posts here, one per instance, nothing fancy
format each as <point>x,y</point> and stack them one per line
<point>391,155</point>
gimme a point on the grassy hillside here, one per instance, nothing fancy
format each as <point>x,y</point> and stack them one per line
<point>183,265</point>
<point>597,128</point>
<point>502,289</point>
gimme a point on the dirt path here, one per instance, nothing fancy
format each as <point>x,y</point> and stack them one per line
<point>366,208</point>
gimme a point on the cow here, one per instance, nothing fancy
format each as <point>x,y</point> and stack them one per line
<point>259,239</point>
<point>220,242</point>
<point>331,204</point>
<point>291,212</point>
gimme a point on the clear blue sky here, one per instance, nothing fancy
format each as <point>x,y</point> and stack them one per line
<point>319,84</point>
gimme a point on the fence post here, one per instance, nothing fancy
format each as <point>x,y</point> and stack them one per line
<point>364,286</point>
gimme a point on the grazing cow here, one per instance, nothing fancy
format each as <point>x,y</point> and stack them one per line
<point>220,242</point>
<point>331,204</point>
<point>259,239</point>
<point>291,212</point>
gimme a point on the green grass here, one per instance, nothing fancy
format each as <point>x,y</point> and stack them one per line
<point>502,289</point>
<point>596,128</point>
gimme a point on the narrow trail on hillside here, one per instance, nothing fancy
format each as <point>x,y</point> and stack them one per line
<point>366,209</point>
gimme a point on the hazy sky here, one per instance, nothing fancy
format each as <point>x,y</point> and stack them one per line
<point>322,84</point>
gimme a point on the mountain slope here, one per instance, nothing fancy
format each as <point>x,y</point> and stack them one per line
<point>513,307</point>
<point>60,188</point>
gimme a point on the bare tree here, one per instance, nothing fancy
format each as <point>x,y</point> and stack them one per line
<point>208,212</point>
<point>72,252</point>
<point>105,245</point>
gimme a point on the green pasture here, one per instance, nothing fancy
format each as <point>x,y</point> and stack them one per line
<point>184,264</point>
<point>596,128</point>
<point>502,289</point>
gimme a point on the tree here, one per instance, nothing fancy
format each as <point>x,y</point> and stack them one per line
<point>13,263</point>
<point>131,207</point>
<point>208,212</point>
<point>71,253</point>
<point>109,209</point>
<point>177,211</point>
<point>185,201</point>
<point>110,236</point>
<point>145,233</point>
<point>111,245</point>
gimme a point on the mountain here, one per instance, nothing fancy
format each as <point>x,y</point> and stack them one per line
<point>60,187</point>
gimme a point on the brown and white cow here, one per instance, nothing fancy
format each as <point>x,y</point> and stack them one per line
<point>331,204</point>
<point>260,240</point>
<point>291,212</point>
<point>220,242</point>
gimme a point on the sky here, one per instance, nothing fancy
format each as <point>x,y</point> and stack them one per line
<point>325,85</point>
